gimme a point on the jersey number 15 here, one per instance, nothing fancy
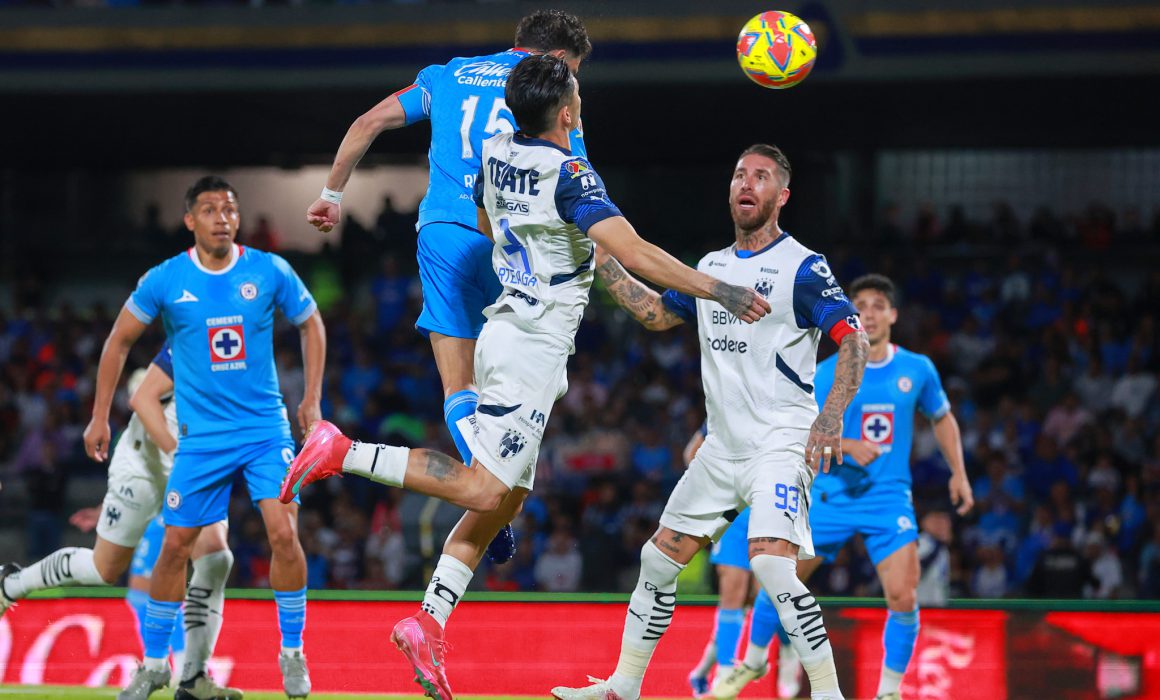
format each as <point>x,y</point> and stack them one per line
<point>495,122</point>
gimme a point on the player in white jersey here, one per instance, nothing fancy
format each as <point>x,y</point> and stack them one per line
<point>766,437</point>
<point>544,208</point>
<point>138,470</point>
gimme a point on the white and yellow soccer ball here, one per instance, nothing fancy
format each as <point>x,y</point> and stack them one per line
<point>776,49</point>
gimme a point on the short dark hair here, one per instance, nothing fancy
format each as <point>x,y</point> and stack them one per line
<point>876,282</point>
<point>551,30</point>
<point>536,89</point>
<point>773,153</point>
<point>209,183</point>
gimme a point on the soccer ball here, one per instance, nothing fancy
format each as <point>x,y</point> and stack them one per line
<point>776,49</point>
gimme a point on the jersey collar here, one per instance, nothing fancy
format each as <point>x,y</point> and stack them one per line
<point>890,350</point>
<point>237,253</point>
<point>743,254</point>
<point>529,141</point>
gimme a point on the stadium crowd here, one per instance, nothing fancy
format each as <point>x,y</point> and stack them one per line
<point>1050,360</point>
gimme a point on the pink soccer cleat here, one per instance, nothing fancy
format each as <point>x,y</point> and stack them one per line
<point>321,458</point>
<point>420,638</point>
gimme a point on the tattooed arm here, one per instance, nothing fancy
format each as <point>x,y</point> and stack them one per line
<point>620,239</point>
<point>827,429</point>
<point>641,302</point>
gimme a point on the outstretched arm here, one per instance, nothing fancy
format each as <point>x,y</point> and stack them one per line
<point>313,336</point>
<point>388,114</point>
<point>826,431</point>
<point>620,239</point>
<point>641,302</point>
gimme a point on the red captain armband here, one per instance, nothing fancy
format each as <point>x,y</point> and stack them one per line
<point>844,327</point>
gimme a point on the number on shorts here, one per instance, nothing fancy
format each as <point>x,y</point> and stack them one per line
<point>787,498</point>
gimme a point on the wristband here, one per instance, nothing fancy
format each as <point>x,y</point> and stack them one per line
<point>331,196</point>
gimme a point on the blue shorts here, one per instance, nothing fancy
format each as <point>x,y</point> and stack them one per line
<point>458,279</point>
<point>733,547</point>
<point>199,487</point>
<point>148,549</point>
<point>885,518</point>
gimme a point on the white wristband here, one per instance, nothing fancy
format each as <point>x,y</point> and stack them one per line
<point>331,196</point>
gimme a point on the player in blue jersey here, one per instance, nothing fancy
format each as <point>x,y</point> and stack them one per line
<point>217,302</point>
<point>128,536</point>
<point>870,493</point>
<point>464,101</point>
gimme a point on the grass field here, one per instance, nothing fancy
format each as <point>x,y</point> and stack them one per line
<point>55,692</point>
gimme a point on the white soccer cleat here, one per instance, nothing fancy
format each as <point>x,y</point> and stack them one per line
<point>729,685</point>
<point>7,570</point>
<point>295,677</point>
<point>144,684</point>
<point>599,690</point>
<point>889,696</point>
<point>789,674</point>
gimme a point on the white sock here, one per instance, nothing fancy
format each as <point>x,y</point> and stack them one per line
<point>708,658</point>
<point>205,598</point>
<point>650,611</point>
<point>448,583</point>
<point>178,661</point>
<point>291,651</point>
<point>755,656</point>
<point>152,664</point>
<point>889,682</point>
<point>71,566</point>
<point>801,616</point>
<point>385,464</point>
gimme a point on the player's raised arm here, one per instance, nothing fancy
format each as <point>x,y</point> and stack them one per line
<point>126,330</point>
<point>621,240</point>
<point>147,403</point>
<point>641,302</point>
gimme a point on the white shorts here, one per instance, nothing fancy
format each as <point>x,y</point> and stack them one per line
<point>774,485</point>
<point>136,486</point>
<point>520,374</point>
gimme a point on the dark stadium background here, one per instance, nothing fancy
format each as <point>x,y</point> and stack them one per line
<point>1033,297</point>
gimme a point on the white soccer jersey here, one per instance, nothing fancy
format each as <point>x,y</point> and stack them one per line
<point>541,200</point>
<point>136,438</point>
<point>758,377</point>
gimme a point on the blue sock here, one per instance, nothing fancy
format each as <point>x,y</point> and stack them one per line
<point>160,619</point>
<point>898,639</point>
<point>764,622</point>
<point>729,623</point>
<point>456,407</point>
<point>177,639</point>
<point>291,616</point>
<point>137,600</point>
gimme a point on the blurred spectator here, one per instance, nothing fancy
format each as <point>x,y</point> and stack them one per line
<point>1065,420</point>
<point>1060,572</point>
<point>560,567</point>
<point>934,542</point>
<point>990,579</point>
<point>1107,573</point>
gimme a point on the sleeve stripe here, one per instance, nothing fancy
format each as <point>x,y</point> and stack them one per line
<point>140,315</point>
<point>307,313</point>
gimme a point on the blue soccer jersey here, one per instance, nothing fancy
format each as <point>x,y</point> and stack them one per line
<point>882,412</point>
<point>220,326</point>
<point>464,100</point>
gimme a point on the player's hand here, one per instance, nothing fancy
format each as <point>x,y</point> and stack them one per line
<point>324,215</point>
<point>863,452</point>
<point>96,439</point>
<point>85,519</point>
<point>309,413</point>
<point>825,442</point>
<point>961,493</point>
<point>742,302</point>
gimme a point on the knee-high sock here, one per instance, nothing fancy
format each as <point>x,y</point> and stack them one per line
<point>898,641</point>
<point>729,624</point>
<point>160,620</point>
<point>458,406</point>
<point>650,611</point>
<point>761,630</point>
<point>138,601</point>
<point>291,617</point>
<point>448,584</point>
<point>71,566</point>
<point>205,599</point>
<point>801,616</point>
